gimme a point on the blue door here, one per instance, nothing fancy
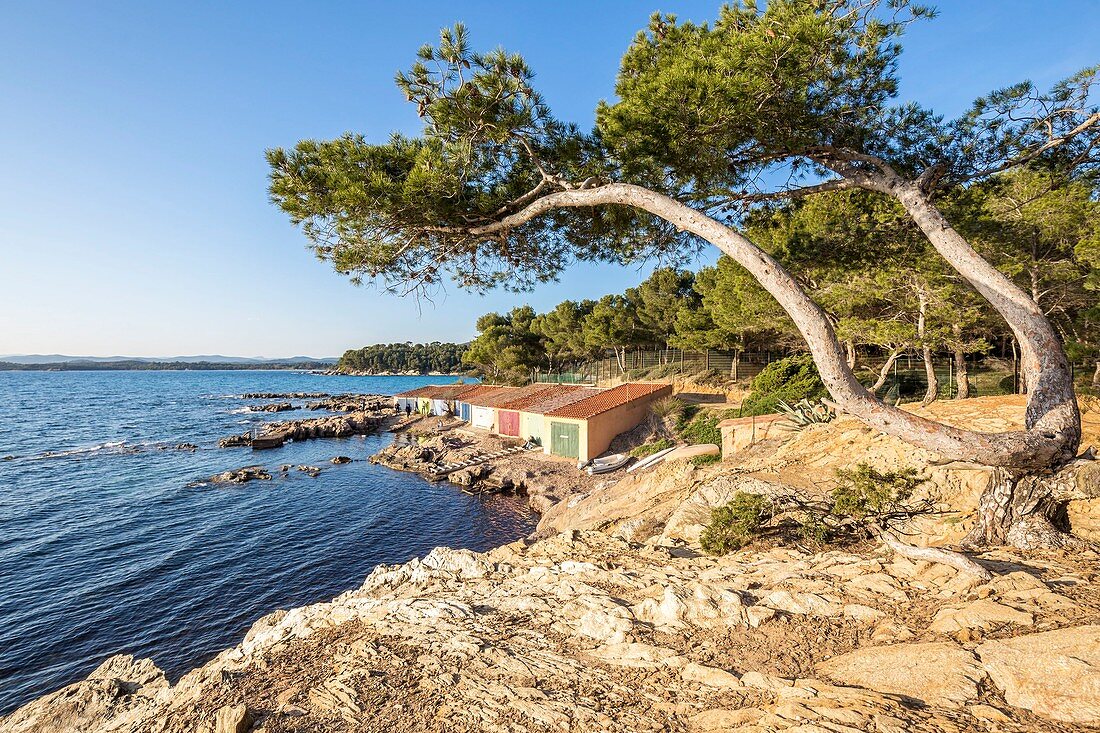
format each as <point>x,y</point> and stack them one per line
<point>464,411</point>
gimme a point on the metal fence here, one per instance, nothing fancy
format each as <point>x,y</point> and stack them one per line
<point>661,362</point>
<point>907,379</point>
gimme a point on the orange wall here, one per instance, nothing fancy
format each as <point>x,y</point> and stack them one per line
<point>603,428</point>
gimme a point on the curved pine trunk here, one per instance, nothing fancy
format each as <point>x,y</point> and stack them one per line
<point>962,376</point>
<point>932,392</point>
<point>1052,420</point>
<point>1051,404</point>
<point>884,373</point>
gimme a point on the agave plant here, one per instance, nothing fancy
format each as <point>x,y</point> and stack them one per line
<point>804,412</point>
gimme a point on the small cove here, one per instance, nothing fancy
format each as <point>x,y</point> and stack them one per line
<point>105,548</point>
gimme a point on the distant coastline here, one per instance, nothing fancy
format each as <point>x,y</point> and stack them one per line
<point>129,365</point>
<point>321,368</point>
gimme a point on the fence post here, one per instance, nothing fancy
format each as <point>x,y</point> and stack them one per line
<point>706,360</point>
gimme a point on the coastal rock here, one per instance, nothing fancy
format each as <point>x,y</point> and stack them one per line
<point>241,475</point>
<point>983,614</point>
<point>236,441</point>
<point>117,696</point>
<point>339,460</point>
<point>1055,674</point>
<point>936,673</point>
<point>232,719</point>
<point>272,407</point>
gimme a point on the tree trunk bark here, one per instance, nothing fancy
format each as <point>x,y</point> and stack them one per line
<point>1052,418</point>
<point>962,375</point>
<point>850,349</point>
<point>1096,376</point>
<point>1051,404</point>
<point>934,554</point>
<point>932,388</point>
<point>735,365</point>
<point>1020,509</point>
<point>884,373</point>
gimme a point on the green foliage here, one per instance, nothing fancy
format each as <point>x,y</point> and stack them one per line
<point>812,529</point>
<point>709,114</point>
<point>804,413</point>
<point>734,311</point>
<point>507,348</point>
<point>787,380</point>
<point>649,449</point>
<point>667,407</point>
<point>863,491</point>
<point>701,429</point>
<point>407,357</point>
<point>705,460</point>
<point>736,524</point>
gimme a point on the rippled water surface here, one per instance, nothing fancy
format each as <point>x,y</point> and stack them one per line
<point>105,548</point>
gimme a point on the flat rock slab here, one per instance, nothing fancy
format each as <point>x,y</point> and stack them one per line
<point>936,673</point>
<point>692,451</point>
<point>1055,674</point>
<point>981,614</point>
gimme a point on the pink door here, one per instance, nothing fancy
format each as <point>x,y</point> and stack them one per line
<point>509,422</point>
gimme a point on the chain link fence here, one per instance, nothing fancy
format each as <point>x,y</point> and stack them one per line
<point>906,381</point>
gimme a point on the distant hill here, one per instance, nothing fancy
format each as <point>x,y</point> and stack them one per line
<point>29,359</point>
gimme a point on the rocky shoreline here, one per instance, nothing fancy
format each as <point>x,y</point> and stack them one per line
<point>428,450</point>
<point>610,618</point>
<point>365,414</point>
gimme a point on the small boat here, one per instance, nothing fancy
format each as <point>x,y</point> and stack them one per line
<point>651,460</point>
<point>607,464</point>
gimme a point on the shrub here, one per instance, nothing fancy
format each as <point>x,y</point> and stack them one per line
<point>667,407</point>
<point>736,524</point>
<point>701,429</point>
<point>649,449</point>
<point>705,460</point>
<point>789,380</point>
<point>863,491</point>
<point>804,413</point>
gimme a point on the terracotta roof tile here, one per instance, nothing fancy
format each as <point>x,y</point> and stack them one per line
<point>500,399</point>
<point>441,391</point>
<point>565,395</point>
<point>486,398</point>
<point>476,390</point>
<point>418,391</point>
<point>609,399</point>
<point>530,395</point>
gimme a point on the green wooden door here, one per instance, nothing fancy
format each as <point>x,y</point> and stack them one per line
<point>565,439</point>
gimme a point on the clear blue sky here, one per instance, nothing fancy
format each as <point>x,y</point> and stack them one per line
<point>133,208</point>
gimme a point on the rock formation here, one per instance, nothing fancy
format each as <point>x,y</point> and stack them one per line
<point>613,620</point>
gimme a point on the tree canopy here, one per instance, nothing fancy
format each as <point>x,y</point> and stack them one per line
<point>711,122</point>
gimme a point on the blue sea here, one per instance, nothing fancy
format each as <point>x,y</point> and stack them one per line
<point>107,545</point>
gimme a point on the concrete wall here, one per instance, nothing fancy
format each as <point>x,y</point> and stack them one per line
<point>483,417</point>
<point>603,428</point>
<point>531,426</point>
<point>596,433</point>
<point>741,432</point>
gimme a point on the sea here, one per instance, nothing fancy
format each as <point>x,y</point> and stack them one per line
<point>111,540</point>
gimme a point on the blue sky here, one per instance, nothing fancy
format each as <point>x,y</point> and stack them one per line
<point>133,209</point>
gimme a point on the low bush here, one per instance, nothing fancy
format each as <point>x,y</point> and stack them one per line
<point>863,492</point>
<point>788,380</point>
<point>649,449</point>
<point>705,460</point>
<point>736,524</point>
<point>667,407</point>
<point>701,429</point>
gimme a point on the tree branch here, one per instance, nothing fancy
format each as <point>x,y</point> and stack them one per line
<point>1030,448</point>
